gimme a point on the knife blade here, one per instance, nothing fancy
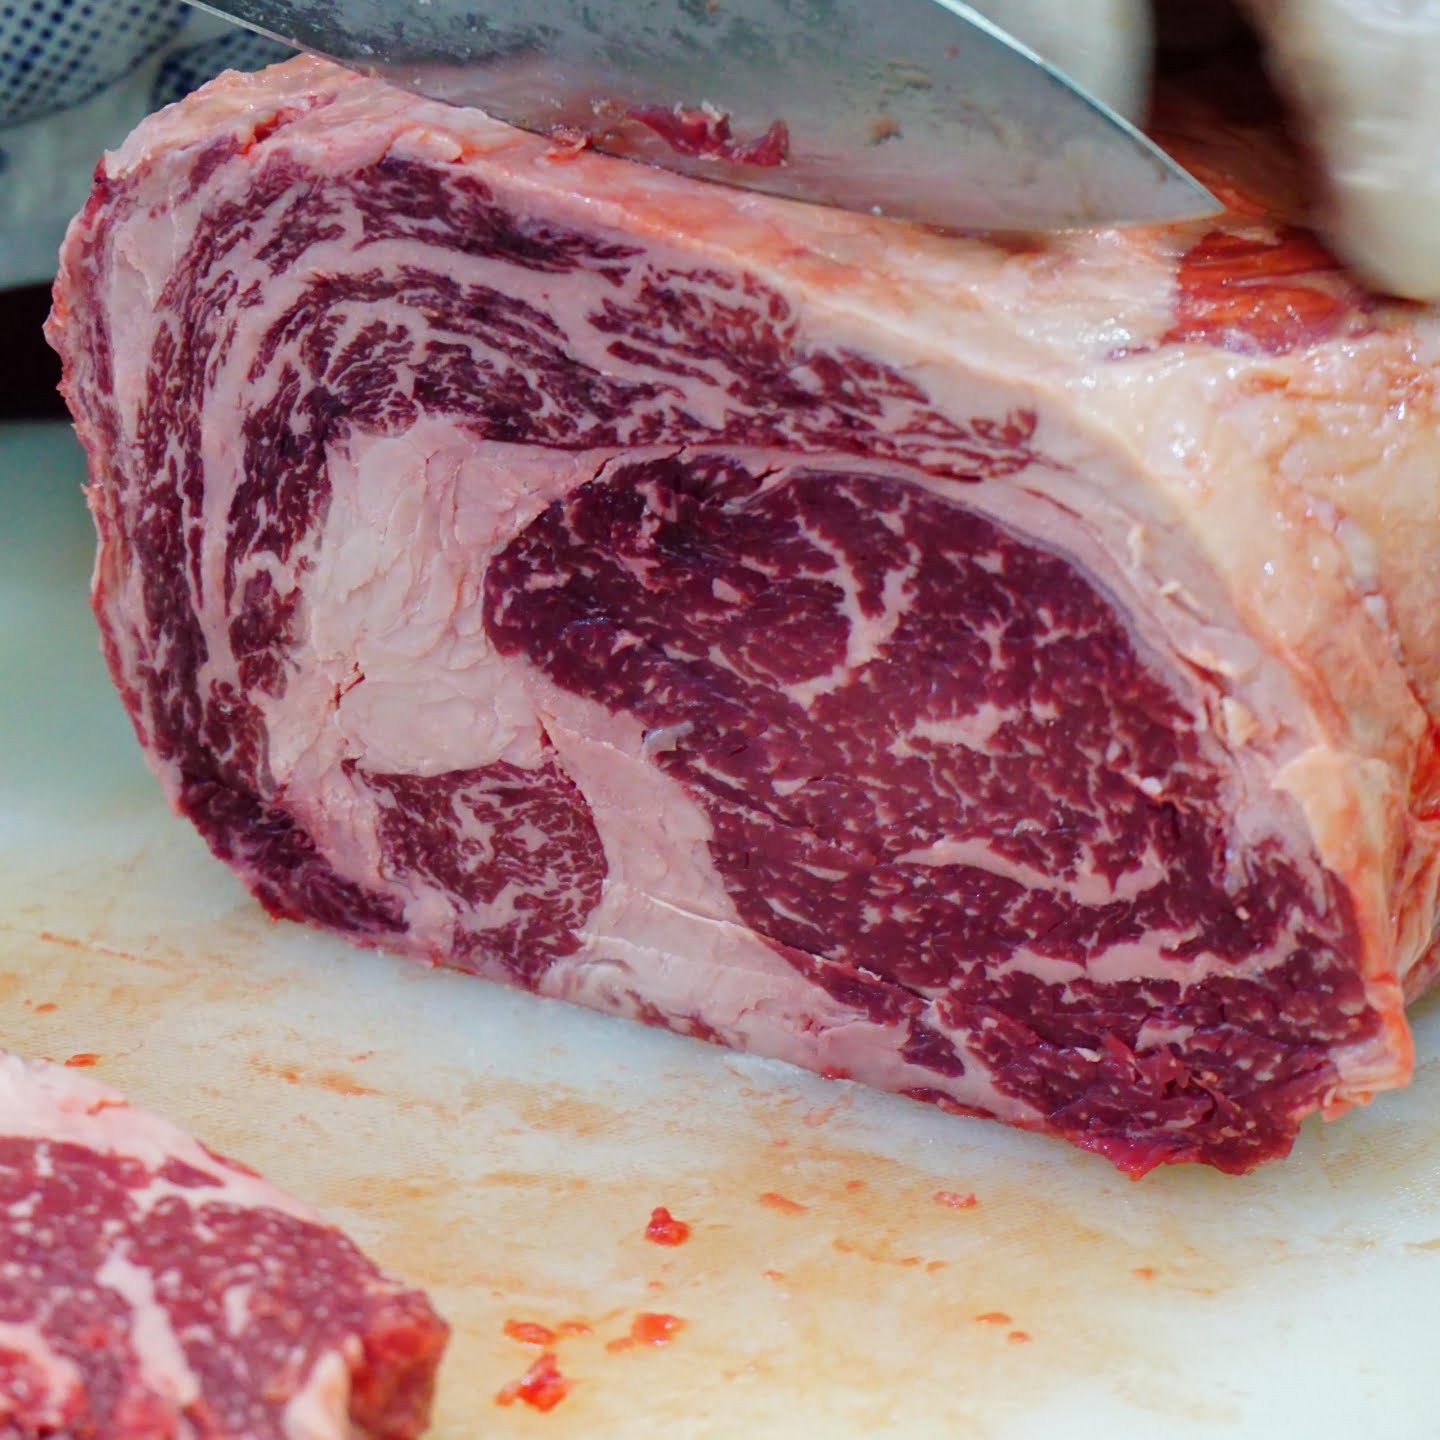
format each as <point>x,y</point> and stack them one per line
<point>916,109</point>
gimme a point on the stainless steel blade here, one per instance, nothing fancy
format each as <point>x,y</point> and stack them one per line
<point>918,109</point>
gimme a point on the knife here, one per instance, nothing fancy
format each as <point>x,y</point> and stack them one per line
<point>918,109</point>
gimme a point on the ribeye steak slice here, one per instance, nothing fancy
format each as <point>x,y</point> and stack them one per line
<point>151,1289</point>
<point>1001,673</point>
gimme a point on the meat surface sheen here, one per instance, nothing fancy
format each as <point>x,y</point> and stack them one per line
<point>999,673</point>
<point>151,1289</point>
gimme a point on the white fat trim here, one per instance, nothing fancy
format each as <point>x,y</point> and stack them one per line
<point>778,1014</point>
<point>235,1302</point>
<point>1085,889</point>
<point>320,1410</point>
<point>975,730</point>
<point>865,635</point>
<point>164,1370</point>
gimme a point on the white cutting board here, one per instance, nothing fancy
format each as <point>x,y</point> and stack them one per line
<point>505,1152</point>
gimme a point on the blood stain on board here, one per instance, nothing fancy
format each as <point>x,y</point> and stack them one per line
<point>993,1317</point>
<point>542,1386</point>
<point>336,1081</point>
<point>665,1229</point>
<point>1019,1337</point>
<point>529,1332</point>
<point>954,1200</point>
<point>563,1111</point>
<point>782,1203</point>
<point>875,1253</point>
<point>83,1060</point>
<point>340,1083</point>
<point>69,941</point>
<point>46,1008</point>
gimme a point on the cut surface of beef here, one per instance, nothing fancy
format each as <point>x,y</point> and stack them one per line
<point>150,1288</point>
<point>1002,673</point>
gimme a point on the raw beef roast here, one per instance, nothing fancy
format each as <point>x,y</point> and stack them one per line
<point>999,672</point>
<point>150,1289</point>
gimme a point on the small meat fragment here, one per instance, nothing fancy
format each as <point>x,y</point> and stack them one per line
<point>665,1229</point>
<point>703,130</point>
<point>542,1386</point>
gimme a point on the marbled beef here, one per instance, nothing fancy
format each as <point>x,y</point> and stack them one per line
<point>999,672</point>
<point>150,1289</point>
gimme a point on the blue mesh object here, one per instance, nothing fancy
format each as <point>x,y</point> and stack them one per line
<point>58,53</point>
<point>190,66</point>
